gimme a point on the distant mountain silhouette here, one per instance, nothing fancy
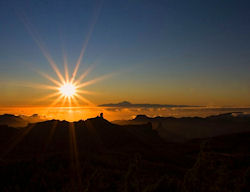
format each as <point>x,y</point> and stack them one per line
<point>19,121</point>
<point>142,117</point>
<point>126,104</point>
<point>33,118</point>
<point>181,129</point>
<point>12,120</point>
<point>229,115</point>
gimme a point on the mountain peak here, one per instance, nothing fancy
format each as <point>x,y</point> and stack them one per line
<point>99,120</point>
<point>124,103</point>
<point>141,117</point>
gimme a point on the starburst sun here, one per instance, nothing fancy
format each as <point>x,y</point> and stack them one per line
<point>67,87</point>
<point>69,90</point>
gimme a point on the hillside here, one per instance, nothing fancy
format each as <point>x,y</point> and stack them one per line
<point>96,155</point>
<point>186,128</point>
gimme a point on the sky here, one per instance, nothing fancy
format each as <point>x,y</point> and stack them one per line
<point>167,52</point>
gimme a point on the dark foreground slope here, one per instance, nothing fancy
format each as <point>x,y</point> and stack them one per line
<point>96,155</point>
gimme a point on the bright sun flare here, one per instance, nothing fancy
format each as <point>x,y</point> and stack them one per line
<point>68,87</point>
<point>68,90</point>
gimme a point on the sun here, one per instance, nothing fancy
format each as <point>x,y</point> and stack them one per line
<point>68,90</point>
<point>67,87</point>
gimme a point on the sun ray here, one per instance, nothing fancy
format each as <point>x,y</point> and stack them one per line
<point>65,63</point>
<point>39,86</point>
<point>84,100</point>
<point>64,100</point>
<point>96,14</point>
<point>66,70</point>
<point>56,101</point>
<point>84,74</point>
<point>41,45</point>
<point>69,101</point>
<point>74,154</point>
<point>74,101</point>
<point>51,79</point>
<point>90,82</point>
<point>86,92</point>
<point>50,137</point>
<point>16,140</point>
<point>48,96</point>
<point>79,60</point>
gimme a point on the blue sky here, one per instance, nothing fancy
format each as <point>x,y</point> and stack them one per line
<point>179,52</point>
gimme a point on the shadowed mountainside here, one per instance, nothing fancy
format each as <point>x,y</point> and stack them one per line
<point>96,133</point>
<point>182,129</point>
<point>96,155</point>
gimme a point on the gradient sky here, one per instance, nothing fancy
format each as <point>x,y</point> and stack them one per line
<point>167,52</point>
